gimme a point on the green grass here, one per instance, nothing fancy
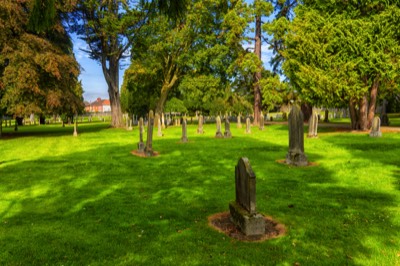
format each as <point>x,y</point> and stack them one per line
<point>88,201</point>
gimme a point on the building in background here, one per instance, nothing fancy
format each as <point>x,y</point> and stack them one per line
<point>98,106</point>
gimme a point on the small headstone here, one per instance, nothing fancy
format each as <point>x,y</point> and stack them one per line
<point>313,125</point>
<point>248,125</point>
<point>376,128</point>
<point>243,210</point>
<point>148,150</point>
<point>296,154</point>
<point>239,121</point>
<point>184,131</point>
<point>218,134</point>
<point>227,133</point>
<point>200,127</point>
<point>141,129</point>
<point>75,129</point>
<point>261,121</point>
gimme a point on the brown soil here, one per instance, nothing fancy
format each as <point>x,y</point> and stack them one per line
<point>283,161</point>
<point>141,154</point>
<point>222,223</point>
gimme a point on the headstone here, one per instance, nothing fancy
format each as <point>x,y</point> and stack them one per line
<point>162,121</point>
<point>200,127</point>
<point>296,154</point>
<point>130,124</point>
<point>75,128</point>
<point>376,128</point>
<point>239,121</point>
<point>261,121</point>
<point>218,134</point>
<point>159,127</point>
<point>248,125</point>
<point>313,125</point>
<point>148,150</point>
<point>243,210</point>
<point>141,129</point>
<point>184,130</point>
<point>227,133</point>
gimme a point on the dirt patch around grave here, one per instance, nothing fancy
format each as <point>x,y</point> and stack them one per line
<point>283,161</point>
<point>222,223</point>
<point>141,154</point>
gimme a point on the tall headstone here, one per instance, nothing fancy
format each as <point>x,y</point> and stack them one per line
<point>227,132</point>
<point>159,127</point>
<point>75,128</point>
<point>239,121</point>
<point>313,125</point>
<point>162,121</point>
<point>218,134</point>
<point>148,150</point>
<point>376,128</point>
<point>261,121</point>
<point>296,154</point>
<point>141,130</point>
<point>184,130</point>
<point>243,210</point>
<point>200,126</point>
<point>248,125</point>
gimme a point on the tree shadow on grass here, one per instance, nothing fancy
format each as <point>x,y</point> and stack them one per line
<point>52,130</point>
<point>105,206</point>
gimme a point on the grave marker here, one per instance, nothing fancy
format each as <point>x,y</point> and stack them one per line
<point>227,133</point>
<point>200,126</point>
<point>248,125</point>
<point>148,150</point>
<point>313,125</point>
<point>141,129</point>
<point>218,134</point>
<point>184,131</point>
<point>296,154</point>
<point>243,210</point>
<point>376,128</point>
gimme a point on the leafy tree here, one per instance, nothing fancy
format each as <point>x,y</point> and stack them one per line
<point>40,74</point>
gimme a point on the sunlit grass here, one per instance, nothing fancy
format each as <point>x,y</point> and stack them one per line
<point>87,200</point>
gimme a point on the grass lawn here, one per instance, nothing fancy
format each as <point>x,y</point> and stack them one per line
<point>88,201</point>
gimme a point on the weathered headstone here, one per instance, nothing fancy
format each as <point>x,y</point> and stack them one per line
<point>243,210</point>
<point>141,129</point>
<point>130,125</point>
<point>296,154</point>
<point>218,134</point>
<point>184,130</point>
<point>248,125</point>
<point>313,125</point>
<point>227,132</point>
<point>239,121</point>
<point>159,127</point>
<point>261,121</point>
<point>148,150</point>
<point>200,126</point>
<point>162,121</point>
<point>376,128</point>
<point>75,128</point>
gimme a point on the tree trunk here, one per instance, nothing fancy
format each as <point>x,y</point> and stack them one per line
<point>326,119</point>
<point>111,74</point>
<point>257,75</point>
<point>363,118</point>
<point>353,115</point>
<point>167,85</point>
<point>372,102</point>
<point>1,125</point>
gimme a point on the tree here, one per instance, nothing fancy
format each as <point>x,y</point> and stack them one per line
<point>335,54</point>
<point>40,75</point>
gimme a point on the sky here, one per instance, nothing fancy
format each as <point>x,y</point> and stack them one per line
<point>93,82</point>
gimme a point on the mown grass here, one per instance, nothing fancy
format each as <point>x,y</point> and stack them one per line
<point>88,201</point>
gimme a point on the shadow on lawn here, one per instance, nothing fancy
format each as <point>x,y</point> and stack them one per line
<point>105,206</point>
<point>52,130</point>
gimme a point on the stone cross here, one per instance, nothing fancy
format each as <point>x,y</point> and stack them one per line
<point>376,128</point>
<point>218,134</point>
<point>243,209</point>
<point>248,126</point>
<point>200,127</point>
<point>239,121</point>
<point>261,121</point>
<point>141,129</point>
<point>184,131</point>
<point>313,125</point>
<point>148,150</point>
<point>227,133</point>
<point>296,154</point>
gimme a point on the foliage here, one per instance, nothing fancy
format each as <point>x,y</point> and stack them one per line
<point>175,105</point>
<point>125,210</point>
<point>41,73</point>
